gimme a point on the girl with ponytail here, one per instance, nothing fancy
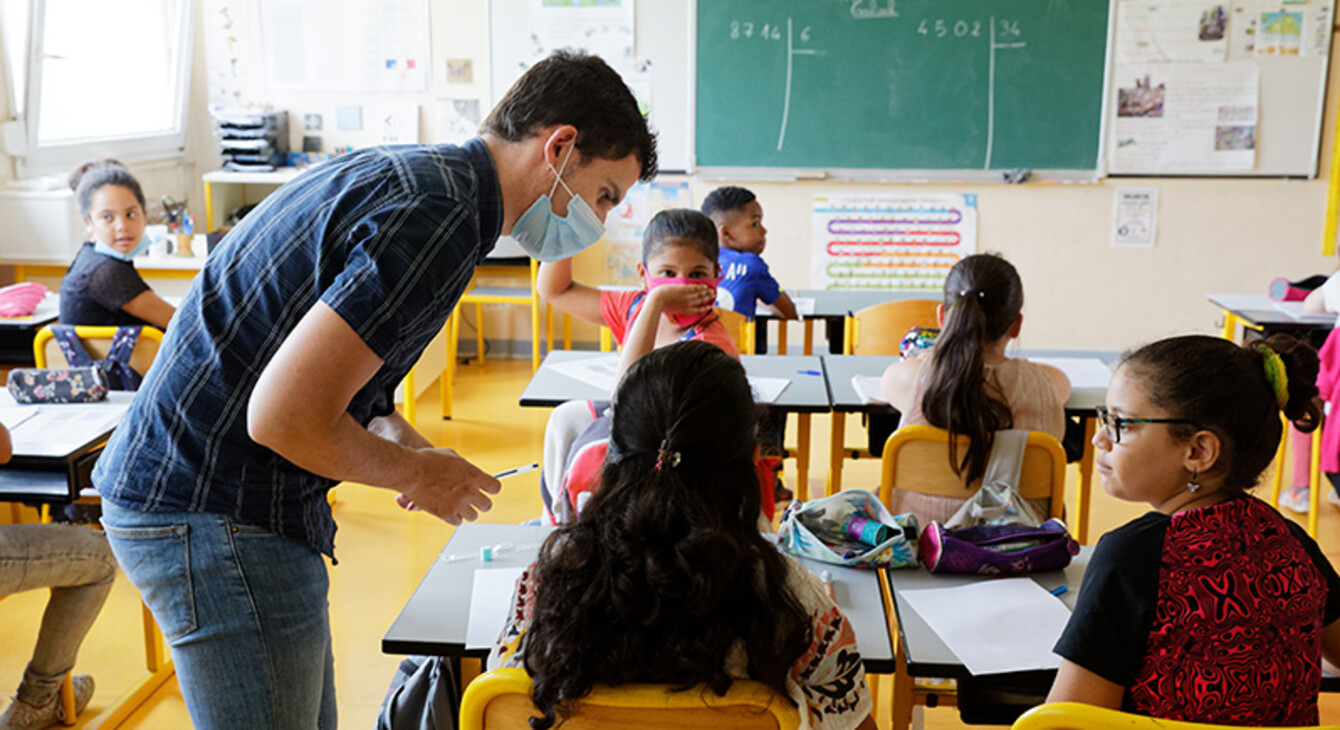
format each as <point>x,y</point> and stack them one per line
<point>666,578</point>
<point>1213,608</point>
<point>967,385</point>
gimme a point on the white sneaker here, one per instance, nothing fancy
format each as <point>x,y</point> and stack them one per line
<point>1295,499</point>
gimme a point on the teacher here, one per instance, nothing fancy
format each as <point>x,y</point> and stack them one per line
<point>277,378</point>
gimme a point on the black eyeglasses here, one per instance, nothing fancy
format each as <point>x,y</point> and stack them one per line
<point>1114,424</point>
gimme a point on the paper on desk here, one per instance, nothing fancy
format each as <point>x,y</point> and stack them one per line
<point>1083,372</point>
<point>767,390</point>
<point>15,415</point>
<point>1295,310</point>
<point>601,371</point>
<point>870,389</point>
<point>994,626</point>
<point>804,307</point>
<point>489,601</point>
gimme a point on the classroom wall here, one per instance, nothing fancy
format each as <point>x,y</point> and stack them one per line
<point>1214,235</point>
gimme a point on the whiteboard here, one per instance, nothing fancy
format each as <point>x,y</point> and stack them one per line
<point>663,30</point>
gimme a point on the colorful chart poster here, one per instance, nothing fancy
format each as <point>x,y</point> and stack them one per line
<point>890,241</point>
<point>625,225</point>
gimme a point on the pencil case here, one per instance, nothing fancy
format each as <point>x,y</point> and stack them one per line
<point>57,385</point>
<point>851,528</point>
<point>997,549</point>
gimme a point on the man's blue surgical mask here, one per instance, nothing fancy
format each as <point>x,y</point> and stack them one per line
<point>547,236</point>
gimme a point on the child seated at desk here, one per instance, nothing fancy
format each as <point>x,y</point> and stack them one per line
<point>679,277</point>
<point>745,277</point>
<point>78,567</point>
<point>966,385</point>
<point>101,287</point>
<point>1213,608</point>
<point>666,578</point>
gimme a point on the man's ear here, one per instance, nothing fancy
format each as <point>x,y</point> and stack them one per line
<point>557,143</point>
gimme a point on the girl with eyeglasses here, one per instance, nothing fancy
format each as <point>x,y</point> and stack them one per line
<point>1213,608</point>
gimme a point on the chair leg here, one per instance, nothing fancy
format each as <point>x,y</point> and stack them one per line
<point>1280,466</point>
<point>1314,480</point>
<point>567,332</point>
<point>549,323</point>
<point>407,387</point>
<point>449,373</point>
<point>479,331</point>
<point>67,699</point>
<point>535,335</point>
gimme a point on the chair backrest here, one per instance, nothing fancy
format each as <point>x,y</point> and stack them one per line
<point>916,458</point>
<point>97,340</point>
<point>500,699</point>
<point>739,327</point>
<point>877,329</point>
<point>1078,716</point>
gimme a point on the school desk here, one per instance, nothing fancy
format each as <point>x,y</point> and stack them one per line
<point>1259,312</point>
<point>833,307</point>
<point>1085,395</point>
<point>168,266</point>
<point>435,618</point>
<point>17,333</point>
<point>805,395</point>
<point>56,446</point>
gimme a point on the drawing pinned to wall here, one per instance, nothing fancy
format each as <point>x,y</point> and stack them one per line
<point>906,242</point>
<point>457,120</point>
<point>1279,34</point>
<point>349,118</point>
<point>347,46</point>
<point>1179,116</point>
<point>603,27</point>
<point>229,50</point>
<point>1135,217</point>
<point>1175,31</point>
<point>395,123</point>
<point>625,225</point>
<point>460,71</point>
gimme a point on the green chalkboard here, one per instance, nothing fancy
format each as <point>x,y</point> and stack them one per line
<point>900,84</point>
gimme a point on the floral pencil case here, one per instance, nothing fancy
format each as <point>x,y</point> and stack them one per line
<point>57,385</point>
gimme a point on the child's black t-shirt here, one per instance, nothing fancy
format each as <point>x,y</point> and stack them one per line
<point>95,288</point>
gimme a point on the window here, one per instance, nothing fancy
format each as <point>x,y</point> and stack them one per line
<point>106,79</point>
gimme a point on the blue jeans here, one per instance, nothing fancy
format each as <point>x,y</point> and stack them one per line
<point>244,611</point>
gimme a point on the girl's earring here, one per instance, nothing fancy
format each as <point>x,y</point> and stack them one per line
<point>1192,485</point>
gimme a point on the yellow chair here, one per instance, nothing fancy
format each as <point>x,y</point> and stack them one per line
<point>501,699</point>
<point>98,341</point>
<point>1078,716</point>
<point>916,458</point>
<point>877,330</point>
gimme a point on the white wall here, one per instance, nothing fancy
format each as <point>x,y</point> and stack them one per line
<point>1215,235</point>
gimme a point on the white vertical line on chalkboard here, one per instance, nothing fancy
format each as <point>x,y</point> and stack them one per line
<point>786,104</point>
<point>990,96</point>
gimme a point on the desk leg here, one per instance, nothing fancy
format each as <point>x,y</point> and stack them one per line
<point>837,440</point>
<point>1085,483</point>
<point>209,207</point>
<point>407,387</point>
<point>803,457</point>
<point>781,337</point>
<point>20,273</point>
<point>1230,326</point>
<point>160,671</point>
<point>808,348</point>
<point>1314,480</point>
<point>567,332</point>
<point>903,684</point>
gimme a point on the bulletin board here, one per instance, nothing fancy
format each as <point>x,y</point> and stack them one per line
<point>1211,88</point>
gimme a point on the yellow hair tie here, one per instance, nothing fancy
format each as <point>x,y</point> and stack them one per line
<point>1275,374</point>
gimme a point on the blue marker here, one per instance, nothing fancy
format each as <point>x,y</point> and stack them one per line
<point>1058,590</point>
<point>809,372</point>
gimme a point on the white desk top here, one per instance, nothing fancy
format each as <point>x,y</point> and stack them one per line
<point>278,177</point>
<point>57,430</point>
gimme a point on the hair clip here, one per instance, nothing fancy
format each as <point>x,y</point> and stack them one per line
<point>1276,374</point>
<point>664,456</point>
<point>980,294</point>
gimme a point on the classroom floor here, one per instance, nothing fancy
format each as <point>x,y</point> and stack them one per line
<point>384,552</point>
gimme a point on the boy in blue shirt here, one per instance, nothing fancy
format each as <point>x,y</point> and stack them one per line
<point>745,279</point>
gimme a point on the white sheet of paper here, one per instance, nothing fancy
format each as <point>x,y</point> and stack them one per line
<point>489,599</point>
<point>804,307</point>
<point>1295,310</point>
<point>1016,633</point>
<point>869,387</point>
<point>1083,372</point>
<point>767,390</point>
<point>601,371</point>
<point>15,415</point>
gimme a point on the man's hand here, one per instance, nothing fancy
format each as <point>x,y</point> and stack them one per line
<point>449,487</point>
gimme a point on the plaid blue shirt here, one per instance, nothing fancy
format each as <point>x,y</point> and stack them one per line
<point>388,238</point>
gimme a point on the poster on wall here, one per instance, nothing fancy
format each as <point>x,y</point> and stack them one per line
<point>347,46</point>
<point>229,52</point>
<point>905,242</point>
<point>625,225</point>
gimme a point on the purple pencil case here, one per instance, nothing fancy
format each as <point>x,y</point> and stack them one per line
<point>997,549</point>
